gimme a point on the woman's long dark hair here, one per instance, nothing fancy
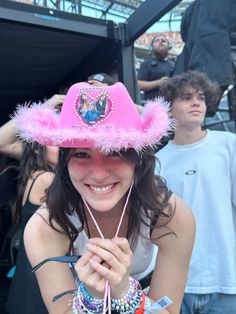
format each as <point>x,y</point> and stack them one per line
<point>34,158</point>
<point>149,195</point>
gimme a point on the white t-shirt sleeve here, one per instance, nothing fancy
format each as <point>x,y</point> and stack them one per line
<point>233,174</point>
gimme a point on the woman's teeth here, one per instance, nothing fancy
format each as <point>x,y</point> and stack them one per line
<point>101,189</point>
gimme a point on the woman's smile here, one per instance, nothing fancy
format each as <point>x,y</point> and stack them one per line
<point>102,188</point>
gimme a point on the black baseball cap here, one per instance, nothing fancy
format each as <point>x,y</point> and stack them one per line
<point>103,78</point>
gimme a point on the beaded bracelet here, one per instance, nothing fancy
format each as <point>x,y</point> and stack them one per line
<point>79,307</point>
<point>141,308</point>
<point>90,303</point>
<point>147,304</point>
<point>131,301</point>
<point>83,302</point>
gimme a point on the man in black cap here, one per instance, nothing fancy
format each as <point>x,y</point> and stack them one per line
<point>100,79</point>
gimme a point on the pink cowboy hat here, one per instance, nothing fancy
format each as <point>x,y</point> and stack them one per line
<point>96,117</point>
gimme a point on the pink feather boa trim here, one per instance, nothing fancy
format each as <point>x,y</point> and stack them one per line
<point>41,123</point>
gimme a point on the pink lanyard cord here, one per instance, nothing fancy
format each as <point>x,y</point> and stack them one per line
<point>107,293</point>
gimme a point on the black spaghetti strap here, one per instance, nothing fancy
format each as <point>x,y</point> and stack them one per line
<point>71,259</point>
<point>62,259</point>
<point>58,296</point>
<point>32,185</point>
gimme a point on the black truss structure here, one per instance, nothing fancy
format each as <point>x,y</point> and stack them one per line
<point>43,48</point>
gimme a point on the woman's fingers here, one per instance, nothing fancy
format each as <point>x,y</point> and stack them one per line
<point>83,268</point>
<point>95,284</point>
<point>109,255</point>
<point>123,243</point>
<point>119,281</point>
<point>92,279</point>
<point>118,247</point>
<point>116,263</point>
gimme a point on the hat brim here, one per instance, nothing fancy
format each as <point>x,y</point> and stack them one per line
<point>41,123</point>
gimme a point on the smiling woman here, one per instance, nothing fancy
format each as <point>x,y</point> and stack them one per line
<point>106,205</point>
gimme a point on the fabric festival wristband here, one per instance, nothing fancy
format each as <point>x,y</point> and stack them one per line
<point>158,305</point>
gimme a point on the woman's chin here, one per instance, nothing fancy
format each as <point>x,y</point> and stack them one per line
<point>102,206</point>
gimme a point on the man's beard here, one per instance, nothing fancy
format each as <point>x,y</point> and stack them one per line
<point>160,54</point>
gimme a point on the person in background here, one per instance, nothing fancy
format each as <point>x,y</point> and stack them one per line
<point>8,187</point>
<point>154,71</point>
<point>106,206</point>
<point>200,167</point>
<point>35,176</point>
<point>100,79</point>
<point>103,79</point>
<point>10,144</point>
<point>36,167</point>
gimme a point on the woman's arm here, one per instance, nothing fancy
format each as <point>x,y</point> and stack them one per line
<point>10,145</point>
<point>41,242</point>
<point>171,270</point>
<point>56,101</point>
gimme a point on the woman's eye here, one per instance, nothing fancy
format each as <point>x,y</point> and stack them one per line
<point>81,155</point>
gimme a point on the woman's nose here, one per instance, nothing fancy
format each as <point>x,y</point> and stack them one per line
<point>100,169</point>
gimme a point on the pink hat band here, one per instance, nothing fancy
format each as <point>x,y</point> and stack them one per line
<point>95,117</point>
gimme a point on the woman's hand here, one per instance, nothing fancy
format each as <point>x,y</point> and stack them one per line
<point>56,102</point>
<point>92,280</point>
<point>106,260</point>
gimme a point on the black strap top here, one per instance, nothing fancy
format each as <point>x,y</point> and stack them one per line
<point>28,209</point>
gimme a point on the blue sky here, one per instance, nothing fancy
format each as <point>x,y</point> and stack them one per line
<point>162,25</point>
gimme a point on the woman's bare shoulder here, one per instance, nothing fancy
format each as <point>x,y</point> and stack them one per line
<point>42,182</point>
<point>41,240</point>
<point>182,212</point>
<point>181,224</point>
<point>43,178</point>
<point>40,226</point>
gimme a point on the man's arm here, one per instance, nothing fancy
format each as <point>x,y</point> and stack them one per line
<point>233,174</point>
<point>149,85</point>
